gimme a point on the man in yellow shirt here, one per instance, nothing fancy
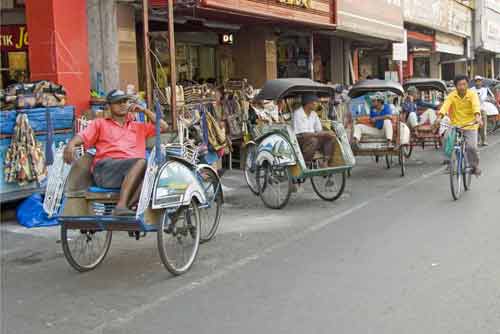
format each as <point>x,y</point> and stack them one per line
<point>463,108</point>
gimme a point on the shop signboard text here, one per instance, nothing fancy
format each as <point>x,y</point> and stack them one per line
<point>13,38</point>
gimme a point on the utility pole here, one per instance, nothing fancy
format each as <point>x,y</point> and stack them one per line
<point>173,73</point>
<point>147,59</point>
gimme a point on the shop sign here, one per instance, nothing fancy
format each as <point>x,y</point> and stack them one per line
<point>13,38</point>
<point>226,39</point>
<point>400,50</point>
<point>430,13</point>
<point>449,44</point>
<point>298,3</point>
<point>492,33</point>
<point>459,19</point>
<point>494,5</point>
<point>380,19</point>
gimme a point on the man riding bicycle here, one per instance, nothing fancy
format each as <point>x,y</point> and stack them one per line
<point>463,108</point>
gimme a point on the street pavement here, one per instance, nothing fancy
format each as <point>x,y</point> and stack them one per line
<point>392,255</point>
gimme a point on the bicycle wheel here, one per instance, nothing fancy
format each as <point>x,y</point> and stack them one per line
<point>85,249</point>
<point>329,187</point>
<point>275,185</point>
<point>178,238</point>
<point>250,169</point>
<point>456,174</point>
<point>210,216</point>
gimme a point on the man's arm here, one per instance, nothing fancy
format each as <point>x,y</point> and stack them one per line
<point>318,127</point>
<point>69,150</point>
<point>152,116</point>
<point>476,109</point>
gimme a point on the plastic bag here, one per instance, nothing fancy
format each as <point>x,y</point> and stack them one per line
<point>30,213</point>
<point>449,143</point>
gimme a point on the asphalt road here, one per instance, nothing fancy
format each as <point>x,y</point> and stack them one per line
<point>393,255</point>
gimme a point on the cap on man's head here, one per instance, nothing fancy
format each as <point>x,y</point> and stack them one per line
<point>412,89</point>
<point>378,96</point>
<point>309,98</point>
<point>478,78</point>
<point>116,96</point>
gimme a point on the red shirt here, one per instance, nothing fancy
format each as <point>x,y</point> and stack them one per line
<point>112,140</point>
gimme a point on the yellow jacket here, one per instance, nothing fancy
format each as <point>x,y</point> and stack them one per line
<point>462,111</point>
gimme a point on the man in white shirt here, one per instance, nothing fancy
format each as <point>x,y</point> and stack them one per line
<point>309,131</point>
<point>482,92</point>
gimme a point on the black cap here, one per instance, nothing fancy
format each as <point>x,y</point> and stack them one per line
<point>116,95</point>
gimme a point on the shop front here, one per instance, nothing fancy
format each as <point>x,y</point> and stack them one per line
<point>368,30</point>
<point>487,39</point>
<point>14,54</point>
<point>216,41</point>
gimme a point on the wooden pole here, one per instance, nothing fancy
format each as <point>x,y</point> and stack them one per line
<point>147,58</point>
<point>173,73</point>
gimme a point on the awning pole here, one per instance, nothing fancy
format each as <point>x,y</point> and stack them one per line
<point>173,74</point>
<point>147,59</point>
<point>492,60</point>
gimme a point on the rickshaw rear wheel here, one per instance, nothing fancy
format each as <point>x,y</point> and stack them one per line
<point>85,249</point>
<point>178,238</point>
<point>212,214</point>
<point>269,181</point>
<point>402,161</point>
<point>335,181</point>
<point>408,150</point>
<point>250,169</point>
<point>388,161</point>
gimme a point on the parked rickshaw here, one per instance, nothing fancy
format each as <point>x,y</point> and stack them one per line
<point>373,145</point>
<point>435,91</point>
<point>174,193</point>
<point>274,162</point>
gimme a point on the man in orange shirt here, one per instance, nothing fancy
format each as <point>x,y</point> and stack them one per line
<point>120,144</point>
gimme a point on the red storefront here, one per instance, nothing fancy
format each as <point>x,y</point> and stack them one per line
<point>57,48</point>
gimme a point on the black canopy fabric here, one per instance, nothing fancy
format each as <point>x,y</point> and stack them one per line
<point>282,88</point>
<point>426,84</point>
<point>370,86</point>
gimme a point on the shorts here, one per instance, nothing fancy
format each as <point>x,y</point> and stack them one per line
<point>110,173</point>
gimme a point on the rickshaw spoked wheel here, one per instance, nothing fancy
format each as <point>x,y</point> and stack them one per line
<point>402,160</point>
<point>212,214</point>
<point>329,187</point>
<point>275,185</point>
<point>407,150</point>
<point>179,238</point>
<point>388,161</point>
<point>250,169</point>
<point>85,249</point>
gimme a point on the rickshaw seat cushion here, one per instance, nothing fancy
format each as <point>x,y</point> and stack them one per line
<point>95,189</point>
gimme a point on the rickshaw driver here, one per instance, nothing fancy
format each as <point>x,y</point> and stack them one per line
<point>309,132</point>
<point>465,109</point>
<point>120,144</point>
<point>380,116</point>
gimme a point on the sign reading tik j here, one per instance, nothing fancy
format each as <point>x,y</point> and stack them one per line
<point>227,39</point>
<point>13,38</point>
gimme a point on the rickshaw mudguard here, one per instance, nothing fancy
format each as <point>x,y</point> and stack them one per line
<point>176,185</point>
<point>276,149</point>
<point>200,166</point>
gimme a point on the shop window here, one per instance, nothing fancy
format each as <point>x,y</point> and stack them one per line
<point>294,57</point>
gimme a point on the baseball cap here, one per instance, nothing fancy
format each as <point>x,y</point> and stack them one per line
<point>116,95</point>
<point>478,77</point>
<point>412,89</point>
<point>308,98</point>
<point>379,96</point>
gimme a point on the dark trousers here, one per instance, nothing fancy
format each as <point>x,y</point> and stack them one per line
<point>312,142</point>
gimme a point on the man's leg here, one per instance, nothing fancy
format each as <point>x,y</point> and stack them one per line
<point>413,120</point>
<point>404,134</point>
<point>327,144</point>
<point>131,183</point>
<point>472,151</point>
<point>483,131</point>
<point>361,129</point>
<point>308,143</point>
<point>388,129</point>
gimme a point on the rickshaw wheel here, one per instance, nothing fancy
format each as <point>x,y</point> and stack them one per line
<point>407,150</point>
<point>388,161</point>
<point>250,169</point>
<point>179,238</point>
<point>402,161</point>
<point>329,187</point>
<point>212,214</point>
<point>269,181</point>
<point>85,249</point>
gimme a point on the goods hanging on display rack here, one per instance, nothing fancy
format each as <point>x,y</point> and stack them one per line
<point>31,95</point>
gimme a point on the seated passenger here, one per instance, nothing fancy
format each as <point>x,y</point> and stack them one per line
<point>309,131</point>
<point>381,119</point>
<point>417,111</point>
<point>120,144</point>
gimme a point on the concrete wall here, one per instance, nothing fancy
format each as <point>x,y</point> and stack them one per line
<point>103,42</point>
<point>435,67</point>
<point>127,46</point>
<point>338,64</point>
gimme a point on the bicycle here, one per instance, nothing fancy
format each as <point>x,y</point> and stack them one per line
<point>460,172</point>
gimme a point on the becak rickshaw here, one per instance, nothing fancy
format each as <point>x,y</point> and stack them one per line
<point>427,95</point>
<point>174,191</point>
<point>378,134</point>
<point>274,162</point>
